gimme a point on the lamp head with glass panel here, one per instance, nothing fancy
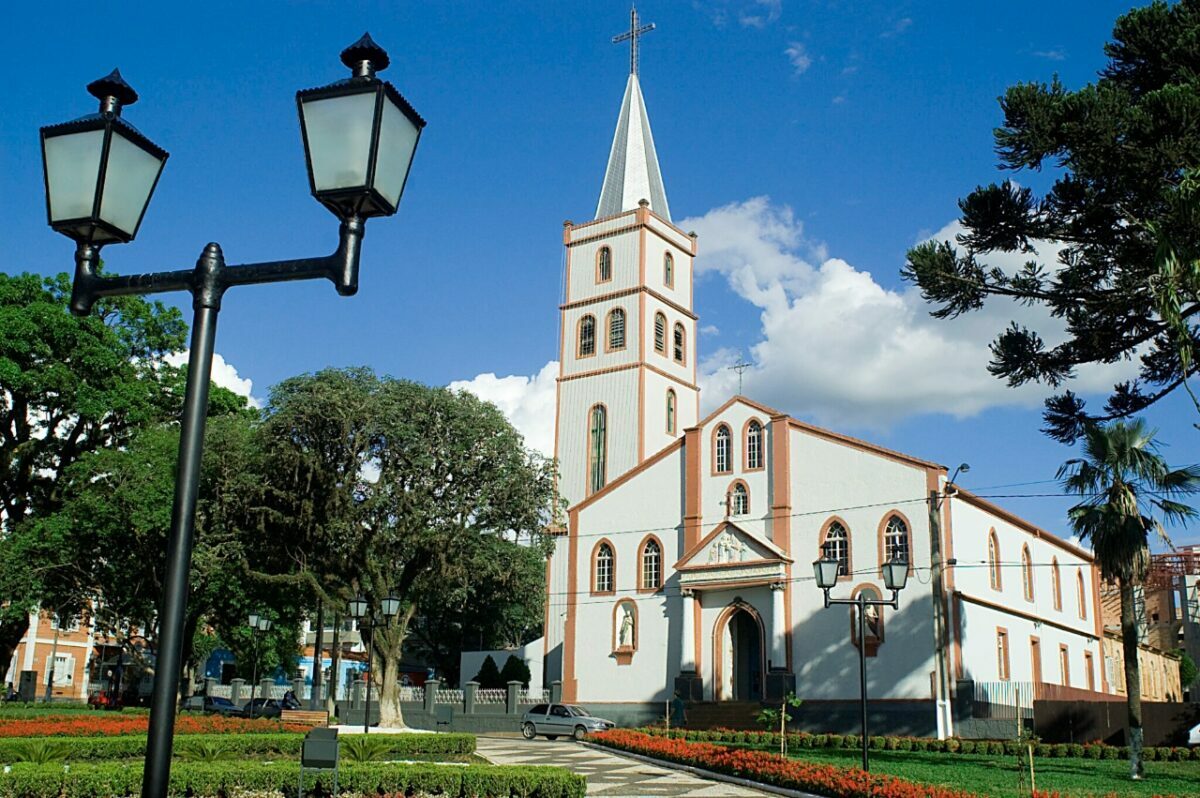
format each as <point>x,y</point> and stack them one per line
<point>360,135</point>
<point>100,171</point>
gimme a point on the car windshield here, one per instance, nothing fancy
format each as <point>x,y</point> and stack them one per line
<point>578,712</point>
<point>221,702</point>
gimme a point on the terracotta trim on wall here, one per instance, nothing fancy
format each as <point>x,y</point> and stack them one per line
<point>608,317</point>
<point>641,570</point>
<point>879,537</point>
<point>570,685</point>
<point>693,514</point>
<point>669,376</point>
<point>780,480</point>
<point>592,568</point>
<point>1098,620</point>
<point>612,267</point>
<point>1021,614</point>
<point>762,444</point>
<point>1006,674</point>
<point>718,644</point>
<point>579,337</point>
<point>637,289</point>
<point>996,563</point>
<point>712,443</point>
<point>1024,525</point>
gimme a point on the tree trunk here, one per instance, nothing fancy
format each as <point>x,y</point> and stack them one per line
<point>1133,679</point>
<point>389,644</point>
<point>11,633</point>
<point>335,663</point>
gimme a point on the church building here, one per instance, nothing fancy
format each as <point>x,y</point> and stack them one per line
<point>685,562</point>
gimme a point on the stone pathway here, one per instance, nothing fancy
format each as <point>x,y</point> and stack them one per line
<point>607,774</point>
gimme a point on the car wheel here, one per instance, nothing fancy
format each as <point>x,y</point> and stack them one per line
<point>551,736</point>
<point>579,734</point>
<point>527,731</point>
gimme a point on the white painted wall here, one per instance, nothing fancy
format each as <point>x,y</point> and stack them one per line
<point>618,391</point>
<point>581,282</point>
<point>714,487</point>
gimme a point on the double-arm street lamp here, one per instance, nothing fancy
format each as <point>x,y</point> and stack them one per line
<point>361,611</point>
<point>257,623</point>
<point>895,576</point>
<point>100,171</point>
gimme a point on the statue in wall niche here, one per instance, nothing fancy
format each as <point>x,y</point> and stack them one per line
<point>625,633</point>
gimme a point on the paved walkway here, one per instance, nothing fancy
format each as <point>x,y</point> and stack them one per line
<point>607,774</point>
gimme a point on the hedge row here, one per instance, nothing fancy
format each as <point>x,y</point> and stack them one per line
<point>82,749</point>
<point>15,711</point>
<point>117,780</point>
<point>953,745</point>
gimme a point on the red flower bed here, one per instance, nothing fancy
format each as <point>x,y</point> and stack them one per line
<point>77,724</point>
<point>759,766</point>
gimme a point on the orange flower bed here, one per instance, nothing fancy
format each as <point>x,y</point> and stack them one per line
<point>77,724</point>
<point>767,768</point>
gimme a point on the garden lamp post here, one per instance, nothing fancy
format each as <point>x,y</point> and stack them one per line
<point>257,623</point>
<point>362,612</point>
<point>895,576</point>
<point>359,136</point>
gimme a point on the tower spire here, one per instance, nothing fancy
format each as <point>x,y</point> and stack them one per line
<point>633,174</point>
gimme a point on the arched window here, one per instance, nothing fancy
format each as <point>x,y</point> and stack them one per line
<point>1082,594</point>
<point>1027,573</point>
<point>604,568</point>
<point>721,460</point>
<point>597,448</point>
<point>895,540</point>
<point>670,411</point>
<point>1056,583</point>
<point>587,336</point>
<point>754,445</point>
<point>835,545</point>
<point>616,329</point>
<point>668,270</point>
<point>994,560</point>
<point>604,265</point>
<point>660,333</point>
<point>874,621</point>
<point>650,577</point>
<point>679,348</point>
<point>739,499</point>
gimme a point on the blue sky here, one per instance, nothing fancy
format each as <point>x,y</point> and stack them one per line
<point>809,143</point>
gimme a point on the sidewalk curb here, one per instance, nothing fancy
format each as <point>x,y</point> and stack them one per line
<point>704,774</point>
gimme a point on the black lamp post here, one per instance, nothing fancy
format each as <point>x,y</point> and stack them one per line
<point>257,623</point>
<point>360,610</point>
<point>359,139</point>
<point>895,576</point>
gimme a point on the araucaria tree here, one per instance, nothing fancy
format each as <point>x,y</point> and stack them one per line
<point>1130,492</point>
<point>1123,150</point>
<point>400,484</point>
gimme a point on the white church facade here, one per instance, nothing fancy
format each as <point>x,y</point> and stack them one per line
<point>685,560</point>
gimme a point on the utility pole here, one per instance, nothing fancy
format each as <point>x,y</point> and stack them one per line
<point>945,719</point>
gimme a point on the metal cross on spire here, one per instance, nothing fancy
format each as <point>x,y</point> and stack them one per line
<point>632,36</point>
<point>739,367</point>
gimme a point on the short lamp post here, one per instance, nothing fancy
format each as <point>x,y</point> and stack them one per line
<point>360,610</point>
<point>257,623</point>
<point>895,576</point>
<point>100,172</point>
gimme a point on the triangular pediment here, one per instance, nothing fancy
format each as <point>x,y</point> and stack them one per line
<point>727,545</point>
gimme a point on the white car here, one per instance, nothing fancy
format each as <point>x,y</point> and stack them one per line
<point>1194,735</point>
<point>561,720</point>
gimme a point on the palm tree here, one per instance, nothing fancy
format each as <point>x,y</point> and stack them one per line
<point>1129,492</point>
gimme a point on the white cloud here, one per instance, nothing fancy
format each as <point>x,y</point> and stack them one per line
<point>837,345</point>
<point>799,57</point>
<point>1057,54</point>
<point>900,27</point>
<point>223,374</point>
<point>760,14</point>
<point>749,13</point>
<point>710,329</point>
<point>527,402</point>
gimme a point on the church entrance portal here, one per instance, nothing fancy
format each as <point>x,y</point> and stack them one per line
<point>739,655</point>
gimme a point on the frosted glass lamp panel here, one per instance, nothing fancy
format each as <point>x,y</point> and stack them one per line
<point>338,130</point>
<point>72,167</point>
<point>128,182</point>
<point>397,143</point>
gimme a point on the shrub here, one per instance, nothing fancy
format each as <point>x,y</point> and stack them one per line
<point>920,744</point>
<point>1074,749</point>
<point>953,745</point>
<point>515,670</point>
<point>1150,753</point>
<point>904,744</point>
<point>875,743</point>
<point>996,748</point>
<point>40,752</point>
<point>489,675</point>
<point>210,780</point>
<point>1092,751</point>
<point>1109,752</point>
<point>836,741</point>
<point>967,747</point>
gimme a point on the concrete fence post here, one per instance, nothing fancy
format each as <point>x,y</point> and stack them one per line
<point>298,688</point>
<point>209,684</point>
<point>556,692</point>
<point>431,688</point>
<point>470,691</point>
<point>265,686</point>
<point>237,687</point>
<point>512,700</point>
<point>358,694</point>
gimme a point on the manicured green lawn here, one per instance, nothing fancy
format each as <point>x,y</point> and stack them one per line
<point>996,776</point>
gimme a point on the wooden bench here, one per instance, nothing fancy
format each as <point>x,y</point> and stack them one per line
<point>305,717</point>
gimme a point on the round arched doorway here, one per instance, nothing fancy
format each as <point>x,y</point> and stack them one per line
<point>739,654</point>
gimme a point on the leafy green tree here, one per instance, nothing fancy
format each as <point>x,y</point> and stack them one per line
<point>68,386</point>
<point>397,483</point>
<point>1120,149</point>
<point>489,677</point>
<point>492,597</point>
<point>1187,669</point>
<point>515,670</point>
<point>1129,492</point>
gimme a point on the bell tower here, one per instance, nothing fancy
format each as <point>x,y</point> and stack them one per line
<point>627,349</point>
